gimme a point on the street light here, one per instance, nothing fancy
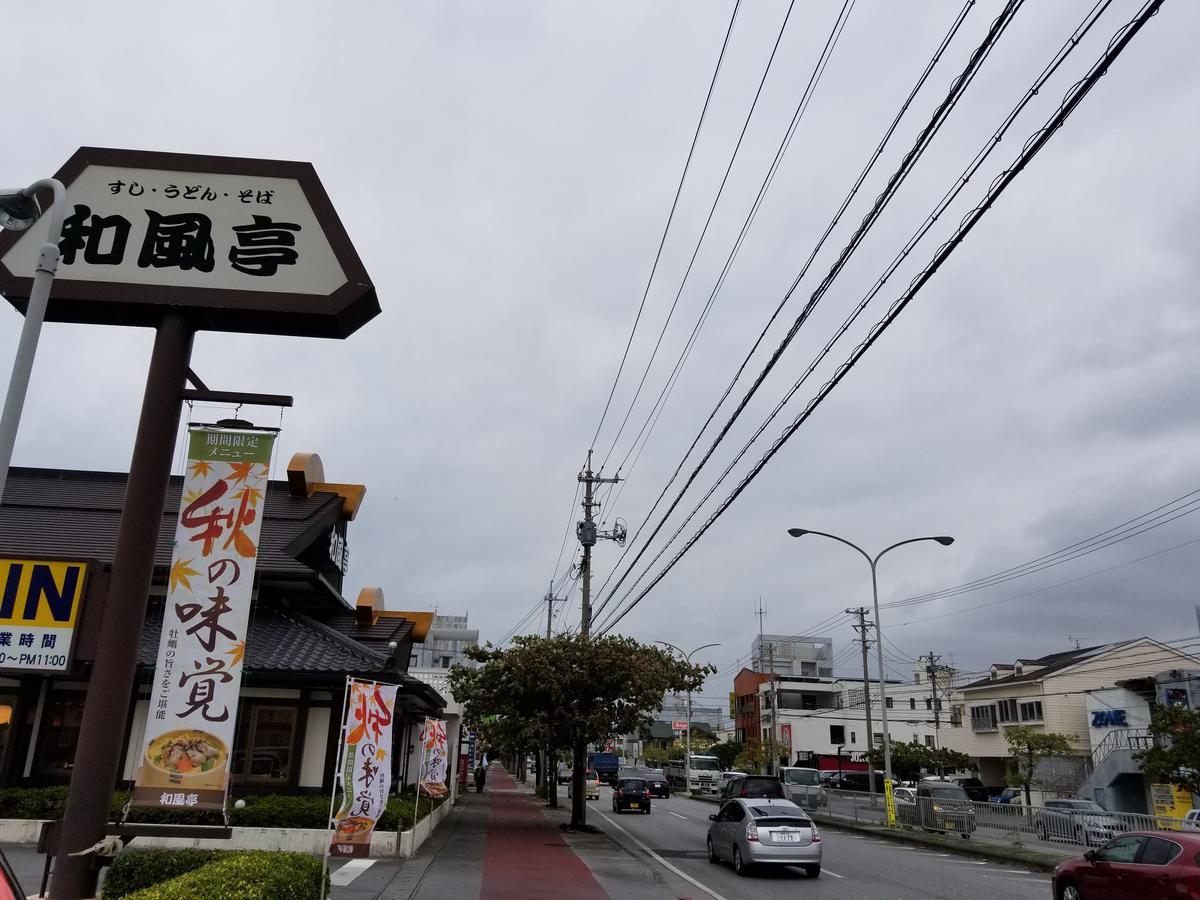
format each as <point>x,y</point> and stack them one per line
<point>945,541</point>
<point>687,758</point>
<point>19,210</point>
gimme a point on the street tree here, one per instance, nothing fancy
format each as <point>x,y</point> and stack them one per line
<point>910,761</point>
<point>726,752</point>
<point>1030,749</point>
<point>1174,757</point>
<point>568,691</point>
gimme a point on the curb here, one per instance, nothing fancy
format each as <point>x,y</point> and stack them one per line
<point>1034,859</point>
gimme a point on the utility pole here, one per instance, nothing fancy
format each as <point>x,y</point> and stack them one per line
<point>932,668</point>
<point>549,777</point>
<point>774,709</point>
<point>760,611</point>
<point>861,628</point>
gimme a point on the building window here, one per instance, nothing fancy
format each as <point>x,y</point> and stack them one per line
<point>879,739</point>
<point>1006,711</point>
<point>912,702</point>
<point>888,701</point>
<point>61,719</point>
<point>263,751</point>
<point>929,740</point>
<point>929,703</point>
<point>1031,711</point>
<point>853,738</point>
<point>837,734</point>
<point>445,662</point>
<point>983,718</point>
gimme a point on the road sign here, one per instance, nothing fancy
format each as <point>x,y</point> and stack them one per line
<point>249,245</point>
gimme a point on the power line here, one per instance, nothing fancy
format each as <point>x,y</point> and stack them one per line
<point>1030,150</point>
<point>670,217</point>
<point>936,121</point>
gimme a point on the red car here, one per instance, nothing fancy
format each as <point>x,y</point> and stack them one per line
<point>1148,865</point>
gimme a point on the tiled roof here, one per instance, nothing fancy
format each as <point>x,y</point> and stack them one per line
<point>1044,665</point>
<point>73,513</point>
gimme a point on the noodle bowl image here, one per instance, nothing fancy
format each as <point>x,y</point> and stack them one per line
<point>349,827</point>
<point>185,753</point>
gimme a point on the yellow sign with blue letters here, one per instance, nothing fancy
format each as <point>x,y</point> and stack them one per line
<point>39,608</point>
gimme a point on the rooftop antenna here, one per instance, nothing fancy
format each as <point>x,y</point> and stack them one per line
<point>1071,637</point>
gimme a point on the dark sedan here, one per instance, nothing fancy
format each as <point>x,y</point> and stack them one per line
<point>631,793</point>
<point>658,785</point>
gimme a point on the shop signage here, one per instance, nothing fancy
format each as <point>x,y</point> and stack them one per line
<point>365,766</point>
<point>248,244</point>
<point>39,606</point>
<point>434,759</point>
<point>732,705</point>
<point>339,552</point>
<point>679,725</point>
<point>785,734</point>
<point>1109,718</point>
<point>194,696</point>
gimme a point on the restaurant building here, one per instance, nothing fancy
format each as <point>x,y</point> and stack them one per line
<point>305,638</point>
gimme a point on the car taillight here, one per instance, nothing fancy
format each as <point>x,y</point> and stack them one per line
<point>752,832</point>
<point>743,793</point>
<point>620,792</point>
<point>816,835</point>
<point>646,793</point>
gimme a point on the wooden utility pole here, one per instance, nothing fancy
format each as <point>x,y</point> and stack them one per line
<point>549,765</point>
<point>861,628</point>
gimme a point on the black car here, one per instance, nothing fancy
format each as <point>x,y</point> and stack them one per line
<point>975,789</point>
<point>631,793</point>
<point>658,785</point>
<point>753,787</point>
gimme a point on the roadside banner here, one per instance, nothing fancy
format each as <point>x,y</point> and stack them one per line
<point>365,766</point>
<point>185,760</point>
<point>890,800</point>
<point>786,735</point>
<point>434,759</point>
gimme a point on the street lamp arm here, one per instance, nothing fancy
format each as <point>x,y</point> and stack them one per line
<point>799,532</point>
<point>941,539</point>
<point>59,208</point>
<point>698,649</point>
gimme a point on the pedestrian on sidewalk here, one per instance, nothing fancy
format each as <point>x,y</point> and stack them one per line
<point>480,778</point>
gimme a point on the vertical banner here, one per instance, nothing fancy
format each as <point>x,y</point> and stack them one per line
<point>365,766</point>
<point>185,761</point>
<point>434,759</point>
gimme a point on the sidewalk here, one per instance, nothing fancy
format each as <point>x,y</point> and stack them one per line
<point>493,845</point>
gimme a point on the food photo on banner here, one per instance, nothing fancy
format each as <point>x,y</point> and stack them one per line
<point>434,759</point>
<point>365,766</point>
<point>194,695</point>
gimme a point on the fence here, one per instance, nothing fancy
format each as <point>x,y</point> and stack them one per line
<point>1061,827</point>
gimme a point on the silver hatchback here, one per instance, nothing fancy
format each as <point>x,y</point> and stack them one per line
<point>751,832</point>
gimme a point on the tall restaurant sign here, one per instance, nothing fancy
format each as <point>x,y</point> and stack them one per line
<point>365,766</point>
<point>240,244</point>
<point>194,696</point>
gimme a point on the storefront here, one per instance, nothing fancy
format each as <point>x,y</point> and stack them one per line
<point>304,637</point>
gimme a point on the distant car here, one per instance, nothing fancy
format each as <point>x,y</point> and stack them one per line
<point>631,793</point>
<point>723,778</point>
<point>1191,821</point>
<point>1081,821</point>
<point>751,832</point>
<point>658,785</point>
<point>856,781</point>
<point>976,790</point>
<point>1140,864</point>
<point>591,784</point>
<point>753,787</point>
<point>905,795</point>
<point>940,806</point>
<point>1006,796</point>
<point>565,776</point>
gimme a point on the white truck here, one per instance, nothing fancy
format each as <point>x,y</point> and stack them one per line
<point>705,776</point>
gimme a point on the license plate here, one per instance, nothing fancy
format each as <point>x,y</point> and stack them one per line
<point>786,837</point>
<point>633,806</point>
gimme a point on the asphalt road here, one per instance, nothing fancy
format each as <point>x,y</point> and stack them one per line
<point>854,866</point>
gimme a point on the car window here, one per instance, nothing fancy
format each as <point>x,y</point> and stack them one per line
<point>948,793</point>
<point>1053,804</point>
<point>775,812</point>
<point>633,784</point>
<point>1122,850</point>
<point>761,787</point>
<point>1159,852</point>
<point>736,813</point>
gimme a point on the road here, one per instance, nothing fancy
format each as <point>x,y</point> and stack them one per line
<point>854,866</point>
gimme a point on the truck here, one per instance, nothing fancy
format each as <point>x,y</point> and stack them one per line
<point>706,774</point>
<point>606,765</point>
<point>803,787</point>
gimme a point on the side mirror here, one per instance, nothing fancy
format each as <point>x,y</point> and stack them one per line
<point>713,818</point>
<point>1090,855</point>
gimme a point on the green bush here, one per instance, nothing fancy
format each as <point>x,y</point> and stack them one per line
<point>133,870</point>
<point>255,875</point>
<point>282,811</point>
<point>33,803</point>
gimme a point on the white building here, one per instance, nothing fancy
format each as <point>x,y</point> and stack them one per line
<point>445,645</point>
<point>793,654</point>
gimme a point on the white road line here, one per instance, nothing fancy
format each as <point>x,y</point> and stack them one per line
<point>677,814</point>
<point>351,870</point>
<point>834,874</point>
<point>686,877</point>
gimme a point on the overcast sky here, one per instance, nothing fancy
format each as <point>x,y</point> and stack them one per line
<point>505,172</point>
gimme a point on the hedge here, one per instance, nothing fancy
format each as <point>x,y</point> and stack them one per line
<point>133,870</point>
<point>253,875</point>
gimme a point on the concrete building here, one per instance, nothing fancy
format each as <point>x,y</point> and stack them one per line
<point>446,644</point>
<point>791,654</point>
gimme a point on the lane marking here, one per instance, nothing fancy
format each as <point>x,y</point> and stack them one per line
<point>677,814</point>
<point>686,877</point>
<point>825,871</point>
<point>351,870</point>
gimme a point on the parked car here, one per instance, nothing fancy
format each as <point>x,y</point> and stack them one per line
<point>10,888</point>
<point>1081,821</point>
<point>723,778</point>
<point>565,775</point>
<point>1138,864</point>
<point>591,784</point>
<point>658,785</point>
<point>856,781</point>
<point>1191,821</point>
<point>751,832</point>
<point>905,795</point>
<point>753,787</point>
<point>976,790</point>
<point>939,806</point>
<point>1008,795</point>
<point>631,793</point>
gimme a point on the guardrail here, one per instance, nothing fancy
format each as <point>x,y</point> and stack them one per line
<point>1011,823</point>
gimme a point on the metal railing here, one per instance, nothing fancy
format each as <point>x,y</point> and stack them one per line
<point>1017,824</point>
<point>1121,739</point>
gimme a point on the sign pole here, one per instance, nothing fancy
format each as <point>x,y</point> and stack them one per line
<point>98,751</point>
<point>341,763</point>
<point>420,775</point>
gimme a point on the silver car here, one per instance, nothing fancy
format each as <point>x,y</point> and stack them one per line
<point>752,832</point>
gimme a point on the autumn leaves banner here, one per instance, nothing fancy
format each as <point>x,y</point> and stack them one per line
<point>365,766</point>
<point>188,744</point>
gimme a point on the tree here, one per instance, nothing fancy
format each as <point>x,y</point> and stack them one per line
<point>1030,748</point>
<point>910,761</point>
<point>753,757</point>
<point>568,691</point>
<point>657,757</point>
<point>1175,756</point>
<point>727,752</point>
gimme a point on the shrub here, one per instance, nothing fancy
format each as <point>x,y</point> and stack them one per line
<point>254,875</point>
<point>133,870</point>
<point>282,811</point>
